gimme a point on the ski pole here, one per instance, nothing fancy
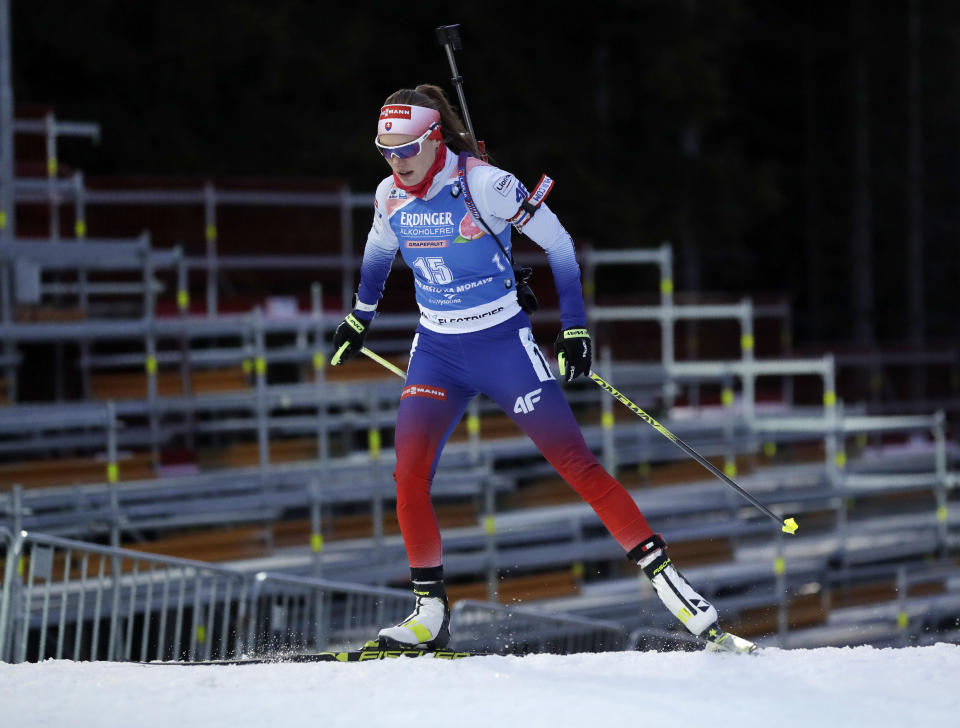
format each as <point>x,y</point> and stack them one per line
<point>789,524</point>
<point>449,38</point>
<point>383,362</point>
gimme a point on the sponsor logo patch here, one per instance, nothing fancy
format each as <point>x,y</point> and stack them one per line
<point>503,185</point>
<point>524,404</point>
<point>521,192</point>
<point>426,243</point>
<point>421,390</point>
<point>395,112</point>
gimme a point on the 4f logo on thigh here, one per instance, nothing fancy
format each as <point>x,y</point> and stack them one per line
<point>524,404</point>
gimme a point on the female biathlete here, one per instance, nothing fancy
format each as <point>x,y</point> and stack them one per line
<point>442,208</point>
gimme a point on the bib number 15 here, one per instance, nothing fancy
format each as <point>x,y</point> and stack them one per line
<point>434,270</point>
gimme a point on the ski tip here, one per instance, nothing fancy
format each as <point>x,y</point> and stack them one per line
<point>790,526</point>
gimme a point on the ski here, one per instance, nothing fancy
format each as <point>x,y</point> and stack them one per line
<point>345,656</point>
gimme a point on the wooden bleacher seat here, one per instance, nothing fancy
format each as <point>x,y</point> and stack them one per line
<point>540,492</point>
<point>360,525</point>
<point>73,471</point>
<point>133,385</point>
<point>4,392</point>
<point>246,454</point>
<point>222,544</point>
<point>492,425</point>
<point>529,587</point>
<point>802,611</point>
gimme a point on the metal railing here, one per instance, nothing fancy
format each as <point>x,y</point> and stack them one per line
<point>521,630</point>
<point>67,599</point>
<point>72,600</point>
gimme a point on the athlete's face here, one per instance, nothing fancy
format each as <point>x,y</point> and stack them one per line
<point>411,170</point>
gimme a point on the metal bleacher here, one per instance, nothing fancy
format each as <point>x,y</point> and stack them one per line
<point>227,438</point>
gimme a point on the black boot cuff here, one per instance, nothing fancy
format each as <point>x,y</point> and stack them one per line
<point>638,551</point>
<point>429,573</point>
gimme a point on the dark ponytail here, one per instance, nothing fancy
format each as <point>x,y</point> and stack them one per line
<point>455,135</point>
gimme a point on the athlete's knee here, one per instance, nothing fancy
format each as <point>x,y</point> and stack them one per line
<point>413,485</point>
<point>578,463</point>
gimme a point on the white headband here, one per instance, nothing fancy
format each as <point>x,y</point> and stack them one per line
<point>406,119</point>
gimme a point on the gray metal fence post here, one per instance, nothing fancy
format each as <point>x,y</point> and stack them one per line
<point>940,491</point>
<point>903,617</point>
<point>9,597</point>
<point>747,345</point>
<point>316,527</point>
<point>17,507</point>
<point>260,370</point>
<point>53,198</point>
<point>210,238</point>
<point>780,580</point>
<point>319,371</point>
<point>346,246</point>
<point>666,323</point>
<point>377,471</point>
<point>490,529</point>
<point>607,416</point>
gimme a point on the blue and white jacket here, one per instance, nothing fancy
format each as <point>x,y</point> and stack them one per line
<point>463,282</point>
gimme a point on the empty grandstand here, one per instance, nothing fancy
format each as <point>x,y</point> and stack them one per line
<point>183,476</point>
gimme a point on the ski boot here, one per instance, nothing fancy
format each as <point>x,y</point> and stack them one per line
<point>428,627</point>
<point>697,614</point>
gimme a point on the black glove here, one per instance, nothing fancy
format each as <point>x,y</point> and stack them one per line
<point>348,338</point>
<point>573,352</point>
<point>525,294</point>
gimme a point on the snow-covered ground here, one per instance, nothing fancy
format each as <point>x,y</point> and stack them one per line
<point>859,686</point>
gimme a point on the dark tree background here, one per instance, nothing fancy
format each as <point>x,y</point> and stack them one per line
<point>810,148</point>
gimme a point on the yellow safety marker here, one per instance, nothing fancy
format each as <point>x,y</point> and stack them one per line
<point>246,366</point>
<point>183,299</point>
<point>666,286</point>
<point>80,228</point>
<point>779,565</point>
<point>829,398</point>
<point>577,569</point>
<point>201,633</point>
<point>490,525</point>
<point>373,443</point>
<point>113,472</point>
<point>942,514</point>
<point>770,449</point>
<point>606,420</point>
<point>746,342</point>
<point>260,366</point>
<point>150,364</point>
<point>211,233</point>
<point>473,424</point>
<point>52,167</point>
<point>903,620</point>
<point>726,397</point>
<point>316,543</point>
<point>3,220</point>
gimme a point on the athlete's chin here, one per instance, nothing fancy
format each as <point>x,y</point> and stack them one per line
<point>410,177</point>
